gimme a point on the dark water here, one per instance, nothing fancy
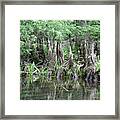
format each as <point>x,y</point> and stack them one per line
<point>58,91</point>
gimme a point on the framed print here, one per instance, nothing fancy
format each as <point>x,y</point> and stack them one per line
<point>60,59</point>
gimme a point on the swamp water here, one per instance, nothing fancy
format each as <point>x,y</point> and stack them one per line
<point>58,90</point>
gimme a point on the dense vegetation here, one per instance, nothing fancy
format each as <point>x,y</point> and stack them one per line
<point>60,59</point>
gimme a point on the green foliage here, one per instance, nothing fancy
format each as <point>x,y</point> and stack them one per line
<point>31,71</point>
<point>97,65</point>
<point>59,30</point>
<point>56,30</point>
<point>66,52</point>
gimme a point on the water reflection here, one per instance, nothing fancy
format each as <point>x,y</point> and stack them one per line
<point>51,90</point>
